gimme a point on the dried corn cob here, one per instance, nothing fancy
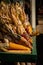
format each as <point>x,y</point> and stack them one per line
<point>24,18</point>
<point>17,47</point>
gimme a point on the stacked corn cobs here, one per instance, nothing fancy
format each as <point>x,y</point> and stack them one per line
<point>15,29</point>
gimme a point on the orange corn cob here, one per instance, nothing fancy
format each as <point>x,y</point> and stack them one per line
<point>15,46</point>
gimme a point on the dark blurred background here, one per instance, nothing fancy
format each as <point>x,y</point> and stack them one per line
<point>39,23</point>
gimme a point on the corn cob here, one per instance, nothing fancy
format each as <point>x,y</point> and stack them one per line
<point>17,46</point>
<point>24,19</point>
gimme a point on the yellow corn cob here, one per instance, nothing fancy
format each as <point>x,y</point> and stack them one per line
<point>18,47</point>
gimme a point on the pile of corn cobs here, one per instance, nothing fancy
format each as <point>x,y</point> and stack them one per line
<point>14,27</point>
